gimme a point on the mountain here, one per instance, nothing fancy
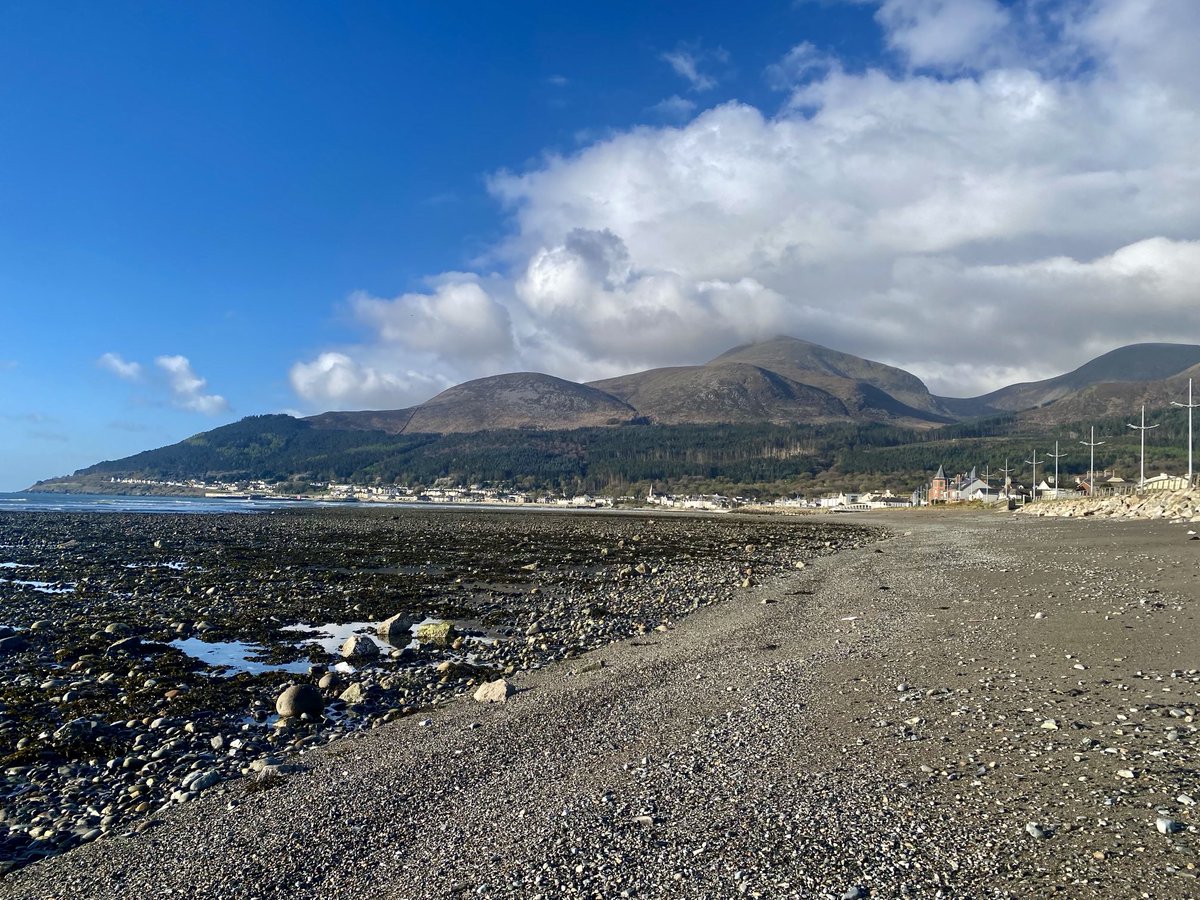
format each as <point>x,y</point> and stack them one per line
<point>1114,399</point>
<point>855,381</point>
<point>517,400</point>
<point>784,381</point>
<point>769,413</point>
<point>733,394</point>
<point>1130,365</point>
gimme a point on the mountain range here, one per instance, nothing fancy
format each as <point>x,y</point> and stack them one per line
<point>775,412</point>
<point>782,381</point>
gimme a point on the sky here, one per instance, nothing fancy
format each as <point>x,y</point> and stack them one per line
<point>213,210</point>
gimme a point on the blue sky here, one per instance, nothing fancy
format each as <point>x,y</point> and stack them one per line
<point>215,210</point>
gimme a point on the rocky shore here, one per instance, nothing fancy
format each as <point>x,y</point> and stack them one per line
<point>1176,506</point>
<point>146,660</point>
<point>981,705</point>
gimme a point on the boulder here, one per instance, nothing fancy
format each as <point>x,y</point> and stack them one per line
<point>11,644</point>
<point>438,633</point>
<point>353,695</point>
<point>398,629</point>
<point>359,647</point>
<point>497,691</point>
<point>300,699</point>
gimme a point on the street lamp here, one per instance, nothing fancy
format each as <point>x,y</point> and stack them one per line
<point>1056,456</point>
<point>1034,462</point>
<point>1143,428</point>
<point>1189,406</point>
<point>1092,445</point>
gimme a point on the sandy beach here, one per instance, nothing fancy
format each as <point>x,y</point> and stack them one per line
<point>979,705</point>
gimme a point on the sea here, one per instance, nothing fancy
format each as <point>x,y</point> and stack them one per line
<point>39,502</point>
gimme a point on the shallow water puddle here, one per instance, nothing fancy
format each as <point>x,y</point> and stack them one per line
<point>235,655</point>
<point>331,636</point>
<point>45,587</point>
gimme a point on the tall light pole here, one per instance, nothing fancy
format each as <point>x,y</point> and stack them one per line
<point>1034,463</point>
<point>1092,445</point>
<point>1143,428</point>
<point>1189,406</point>
<point>1005,470</point>
<point>1056,456</point>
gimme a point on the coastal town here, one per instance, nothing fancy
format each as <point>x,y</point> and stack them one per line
<point>960,488</point>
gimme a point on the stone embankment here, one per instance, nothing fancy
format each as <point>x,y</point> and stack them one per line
<point>1177,506</point>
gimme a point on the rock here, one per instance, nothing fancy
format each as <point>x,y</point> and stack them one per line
<point>855,893</point>
<point>497,691</point>
<point>329,680</point>
<point>353,695</point>
<point>1033,829</point>
<point>438,633</point>
<point>1167,826</point>
<point>1050,724</point>
<point>12,644</point>
<point>300,699</point>
<point>398,629</point>
<point>124,645</point>
<point>200,779</point>
<point>359,647</point>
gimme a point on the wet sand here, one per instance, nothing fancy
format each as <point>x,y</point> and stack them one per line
<point>979,706</point>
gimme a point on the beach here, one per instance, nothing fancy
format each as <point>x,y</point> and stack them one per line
<point>958,704</point>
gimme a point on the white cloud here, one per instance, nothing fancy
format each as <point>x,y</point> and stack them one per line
<point>113,362</point>
<point>336,379</point>
<point>977,218</point>
<point>688,61</point>
<point>459,319</point>
<point>798,64</point>
<point>674,107</point>
<point>944,33</point>
<point>187,388</point>
<point>172,375</point>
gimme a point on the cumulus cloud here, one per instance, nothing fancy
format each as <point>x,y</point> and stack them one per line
<point>944,33</point>
<point>422,343</point>
<point>113,362</point>
<point>187,388</point>
<point>335,378</point>
<point>976,215</point>
<point>172,376</point>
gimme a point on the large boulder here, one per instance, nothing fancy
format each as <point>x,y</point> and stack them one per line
<point>440,634</point>
<point>398,629</point>
<point>359,647</point>
<point>497,691</point>
<point>300,699</point>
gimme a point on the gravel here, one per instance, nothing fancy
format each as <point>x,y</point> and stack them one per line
<point>877,731</point>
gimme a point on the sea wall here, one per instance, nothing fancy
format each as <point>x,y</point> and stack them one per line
<point>1182,506</point>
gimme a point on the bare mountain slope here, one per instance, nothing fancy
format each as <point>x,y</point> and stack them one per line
<point>734,393</point>
<point>1133,363</point>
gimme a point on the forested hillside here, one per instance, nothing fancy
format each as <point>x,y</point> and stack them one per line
<point>767,460</point>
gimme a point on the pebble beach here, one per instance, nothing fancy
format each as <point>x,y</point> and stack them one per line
<point>958,704</point>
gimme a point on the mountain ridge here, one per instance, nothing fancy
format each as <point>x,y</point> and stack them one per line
<point>754,406</point>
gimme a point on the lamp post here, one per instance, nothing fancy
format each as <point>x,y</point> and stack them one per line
<point>1034,462</point>
<point>1056,456</point>
<point>1005,470</point>
<point>1143,428</point>
<point>1092,445</point>
<point>1189,406</point>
